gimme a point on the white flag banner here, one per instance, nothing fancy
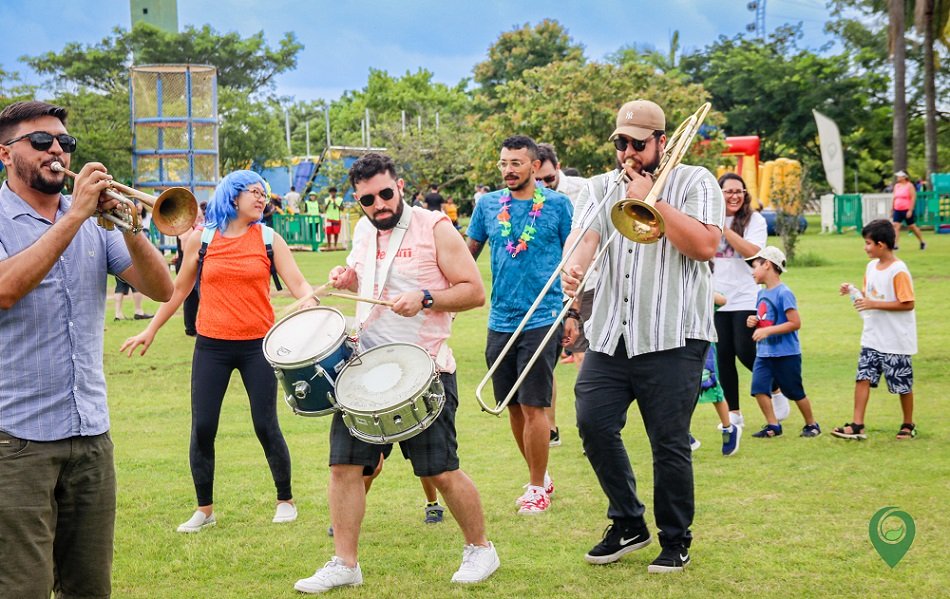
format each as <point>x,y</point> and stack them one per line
<point>832,156</point>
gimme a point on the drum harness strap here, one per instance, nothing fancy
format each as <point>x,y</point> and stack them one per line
<point>368,281</point>
<point>208,234</point>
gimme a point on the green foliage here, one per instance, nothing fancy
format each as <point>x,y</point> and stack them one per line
<point>573,106</point>
<point>251,130</point>
<point>524,48</point>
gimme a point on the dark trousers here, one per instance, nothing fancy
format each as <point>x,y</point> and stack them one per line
<point>735,341</point>
<point>665,386</point>
<point>211,367</point>
<point>57,517</point>
<point>190,311</point>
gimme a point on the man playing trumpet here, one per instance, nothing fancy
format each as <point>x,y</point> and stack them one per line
<point>57,509</point>
<point>651,326</point>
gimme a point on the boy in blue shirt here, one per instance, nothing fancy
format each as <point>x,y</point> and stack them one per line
<point>778,354</point>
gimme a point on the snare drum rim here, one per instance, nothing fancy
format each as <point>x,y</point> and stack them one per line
<point>354,361</point>
<point>316,358</point>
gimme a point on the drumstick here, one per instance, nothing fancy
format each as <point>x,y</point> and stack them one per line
<point>358,298</point>
<point>321,290</point>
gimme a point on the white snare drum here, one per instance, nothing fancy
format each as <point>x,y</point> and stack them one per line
<point>308,349</point>
<point>389,393</point>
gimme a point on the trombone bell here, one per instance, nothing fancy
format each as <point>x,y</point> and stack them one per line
<point>637,221</point>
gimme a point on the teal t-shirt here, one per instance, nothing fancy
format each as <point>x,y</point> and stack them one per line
<point>516,282</point>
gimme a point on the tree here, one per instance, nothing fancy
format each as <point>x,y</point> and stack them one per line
<point>574,105</point>
<point>521,49</point>
<point>931,19</point>
<point>898,51</point>
<point>769,88</point>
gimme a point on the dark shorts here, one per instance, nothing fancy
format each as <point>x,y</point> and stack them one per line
<point>123,288</point>
<point>432,452</point>
<point>538,385</point>
<point>896,368</point>
<point>587,304</point>
<point>902,216</point>
<point>333,227</point>
<point>785,371</point>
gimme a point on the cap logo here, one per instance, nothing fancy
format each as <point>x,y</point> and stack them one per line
<point>630,116</point>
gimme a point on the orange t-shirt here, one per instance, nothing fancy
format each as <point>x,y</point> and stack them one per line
<point>235,288</point>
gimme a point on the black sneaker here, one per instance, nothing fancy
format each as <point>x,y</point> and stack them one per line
<point>671,559</point>
<point>555,438</point>
<point>619,541</point>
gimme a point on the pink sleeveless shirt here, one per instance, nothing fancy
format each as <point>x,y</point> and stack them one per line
<point>414,268</point>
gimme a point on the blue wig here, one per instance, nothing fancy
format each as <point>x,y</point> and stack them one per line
<point>221,208</point>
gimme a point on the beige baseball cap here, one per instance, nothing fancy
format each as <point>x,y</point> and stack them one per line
<point>773,255</point>
<point>639,119</point>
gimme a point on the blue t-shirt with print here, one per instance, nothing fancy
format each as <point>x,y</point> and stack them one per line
<point>770,307</point>
<point>516,282</point>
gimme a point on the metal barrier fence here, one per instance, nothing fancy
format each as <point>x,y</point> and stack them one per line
<point>301,229</point>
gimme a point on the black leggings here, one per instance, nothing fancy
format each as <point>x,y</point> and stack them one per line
<point>735,341</point>
<point>211,367</point>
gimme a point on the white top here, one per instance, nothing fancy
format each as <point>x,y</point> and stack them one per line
<point>889,331</point>
<point>650,294</point>
<point>732,275</point>
<point>572,187</point>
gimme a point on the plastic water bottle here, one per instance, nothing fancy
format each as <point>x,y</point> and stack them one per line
<point>854,293</point>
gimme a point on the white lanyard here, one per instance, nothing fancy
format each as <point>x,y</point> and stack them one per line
<point>368,282</point>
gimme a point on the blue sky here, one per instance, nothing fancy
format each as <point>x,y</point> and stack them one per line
<point>343,39</point>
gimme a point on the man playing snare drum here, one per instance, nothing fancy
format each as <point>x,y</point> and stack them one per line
<point>428,276</point>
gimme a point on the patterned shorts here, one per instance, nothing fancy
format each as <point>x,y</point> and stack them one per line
<point>896,368</point>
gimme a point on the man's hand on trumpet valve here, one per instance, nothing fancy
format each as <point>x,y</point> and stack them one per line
<point>571,279</point>
<point>91,181</point>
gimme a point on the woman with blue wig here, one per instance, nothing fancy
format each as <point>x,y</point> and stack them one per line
<point>234,316</point>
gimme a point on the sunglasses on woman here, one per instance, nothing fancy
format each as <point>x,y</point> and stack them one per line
<point>386,193</point>
<point>42,141</point>
<point>638,144</point>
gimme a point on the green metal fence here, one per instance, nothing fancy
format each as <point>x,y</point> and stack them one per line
<point>301,229</point>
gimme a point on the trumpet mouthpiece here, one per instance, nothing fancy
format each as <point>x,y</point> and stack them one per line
<point>57,167</point>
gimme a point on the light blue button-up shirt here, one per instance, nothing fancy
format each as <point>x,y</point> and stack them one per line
<point>52,385</point>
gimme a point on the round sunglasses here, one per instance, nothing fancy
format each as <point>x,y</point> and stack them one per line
<point>42,141</point>
<point>638,144</point>
<point>386,193</point>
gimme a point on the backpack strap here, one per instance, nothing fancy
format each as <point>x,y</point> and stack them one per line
<point>206,236</point>
<point>268,234</point>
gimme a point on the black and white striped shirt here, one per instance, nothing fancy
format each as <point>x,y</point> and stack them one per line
<point>650,294</point>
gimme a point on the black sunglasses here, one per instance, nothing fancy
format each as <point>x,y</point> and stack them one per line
<point>638,144</point>
<point>42,141</point>
<point>386,193</point>
<point>549,179</point>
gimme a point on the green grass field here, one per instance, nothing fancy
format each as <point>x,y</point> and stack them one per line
<point>784,517</point>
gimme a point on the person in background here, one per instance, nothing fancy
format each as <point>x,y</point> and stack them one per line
<point>451,210</point>
<point>905,199</point>
<point>233,276</point>
<point>332,211</point>
<point>292,201</point>
<point>58,503</point>
<point>434,199</point>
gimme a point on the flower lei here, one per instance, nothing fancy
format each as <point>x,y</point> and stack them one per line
<point>504,221</point>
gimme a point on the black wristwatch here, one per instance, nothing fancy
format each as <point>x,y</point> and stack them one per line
<point>427,300</point>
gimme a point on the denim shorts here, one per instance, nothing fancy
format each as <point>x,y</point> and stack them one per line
<point>785,371</point>
<point>896,368</point>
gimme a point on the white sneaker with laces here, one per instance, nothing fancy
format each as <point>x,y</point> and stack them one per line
<point>333,574</point>
<point>197,522</point>
<point>548,489</point>
<point>478,563</point>
<point>286,512</point>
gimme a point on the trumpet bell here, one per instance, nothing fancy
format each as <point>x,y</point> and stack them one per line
<point>637,221</point>
<point>175,211</point>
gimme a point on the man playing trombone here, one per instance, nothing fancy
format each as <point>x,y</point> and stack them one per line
<point>57,508</point>
<point>651,326</point>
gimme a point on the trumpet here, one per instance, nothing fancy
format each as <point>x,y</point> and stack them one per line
<point>173,211</point>
<point>637,220</point>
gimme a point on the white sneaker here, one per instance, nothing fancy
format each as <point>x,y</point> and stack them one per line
<point>197,522</point>
<point>333,574</point>
<point>780,406</point>
<point>548,489</point>
<point>286,512</point>
<point>478,563</point>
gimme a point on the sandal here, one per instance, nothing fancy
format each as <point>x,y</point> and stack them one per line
<point>850,430</point>
<point>908,431</point>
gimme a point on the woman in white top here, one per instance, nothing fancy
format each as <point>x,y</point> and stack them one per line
<point>744,234</point>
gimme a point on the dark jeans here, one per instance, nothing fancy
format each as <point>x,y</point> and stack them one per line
<point>57,517</point>
<point>211,367</point>
<point>735,341</point>
<point>665,386</point>
<point>190,310</point>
